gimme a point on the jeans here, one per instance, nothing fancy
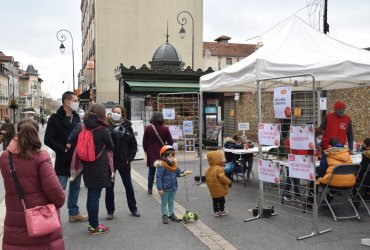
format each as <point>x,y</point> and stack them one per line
<point>130,195</point>
<point>92,205</point>
<point>73,192</point>
<point>151,175</point>
<point>167,198</point>
<point>218,204</point>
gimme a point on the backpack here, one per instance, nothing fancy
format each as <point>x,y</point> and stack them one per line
<point>86,146</point>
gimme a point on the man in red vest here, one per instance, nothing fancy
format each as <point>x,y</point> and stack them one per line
<point>339,125</point>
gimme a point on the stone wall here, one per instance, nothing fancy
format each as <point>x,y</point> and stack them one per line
<point>357,106</point>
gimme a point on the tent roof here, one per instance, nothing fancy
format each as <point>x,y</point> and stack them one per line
<point>295,49</point>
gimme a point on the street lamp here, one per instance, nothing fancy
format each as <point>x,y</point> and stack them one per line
<point>182,32</point>
<point>62,38</point>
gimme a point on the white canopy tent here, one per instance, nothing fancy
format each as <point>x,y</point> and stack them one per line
<point>295,49</point>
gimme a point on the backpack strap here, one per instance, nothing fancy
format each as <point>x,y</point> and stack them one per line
<point>156,132</point>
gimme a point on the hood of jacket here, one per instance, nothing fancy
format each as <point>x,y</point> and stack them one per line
<point>366,153</point>
<point>157,163</point>
<point>216,158</point>
<point>338,153</point>
<point>230,140</point>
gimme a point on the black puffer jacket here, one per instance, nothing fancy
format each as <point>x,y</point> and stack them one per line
<point>96,174</point>
<point>56,134</point>
<point>125,145</point>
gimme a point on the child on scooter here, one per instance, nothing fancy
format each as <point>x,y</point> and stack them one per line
<point>167,173</point>
<point>217,182</point>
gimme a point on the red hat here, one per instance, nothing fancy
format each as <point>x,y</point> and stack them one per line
<point>339,105</point>
<point>164,149</point>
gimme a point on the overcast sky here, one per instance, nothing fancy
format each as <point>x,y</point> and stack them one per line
<point>28,28</point>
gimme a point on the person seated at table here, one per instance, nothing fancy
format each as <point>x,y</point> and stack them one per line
<point>335,155</point>
<point>231,143</point>
<point>364,166</point>
<point>234,142</point>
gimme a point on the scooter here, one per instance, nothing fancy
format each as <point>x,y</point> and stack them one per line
<point>188,216</point>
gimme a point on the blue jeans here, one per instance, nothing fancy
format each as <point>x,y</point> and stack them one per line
<point>130,195</point>
<point>92,205</point>
<point>73,192</point>
<point>167,198</point>
<point>151,175</point>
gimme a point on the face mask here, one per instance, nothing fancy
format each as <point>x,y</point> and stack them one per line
<point>74,105</point>
<point>116,117</point>
<point>340,112</point>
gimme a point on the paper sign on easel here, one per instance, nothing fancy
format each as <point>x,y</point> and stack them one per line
<point>269,134</point>
<point>302,137</point>
<point>301,166</point>
<point>268,171</point>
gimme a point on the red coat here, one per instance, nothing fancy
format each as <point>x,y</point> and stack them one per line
<point>41,186</point>
<point>152,145</point>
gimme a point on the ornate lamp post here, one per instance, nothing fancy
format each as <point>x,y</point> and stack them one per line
<point>61,37</point>
<point>182,31</point>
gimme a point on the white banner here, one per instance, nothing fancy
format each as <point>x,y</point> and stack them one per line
<point>282,102</point>
<point>302,137</point>
<point>268,171</point>
<point>301,166</point>
<point>269,134</point>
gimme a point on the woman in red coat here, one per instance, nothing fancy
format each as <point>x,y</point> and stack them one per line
<point>39,183</point>
<point>152,144</point>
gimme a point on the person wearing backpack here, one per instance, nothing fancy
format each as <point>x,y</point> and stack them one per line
<point>125,148</point>
<point>59,126</point>
<point>93,144</point>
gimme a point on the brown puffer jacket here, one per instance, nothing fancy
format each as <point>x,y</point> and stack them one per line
<point>41,186</point>
<point>215,176</point>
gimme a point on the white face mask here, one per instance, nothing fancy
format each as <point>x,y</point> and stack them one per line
<point>116,117</point>
<point>74,105</point>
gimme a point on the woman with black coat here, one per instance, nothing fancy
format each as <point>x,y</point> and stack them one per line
<point>125,148</point>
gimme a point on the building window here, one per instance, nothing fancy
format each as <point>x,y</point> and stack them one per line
<point>229,61</point>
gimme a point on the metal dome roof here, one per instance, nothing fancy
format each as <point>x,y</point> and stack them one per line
<point>166,52</point>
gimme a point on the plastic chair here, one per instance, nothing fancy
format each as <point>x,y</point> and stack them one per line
<point>343,169</point>
<point>362,190</point>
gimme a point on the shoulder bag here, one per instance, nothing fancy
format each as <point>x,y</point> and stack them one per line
<point>40,220</point>
<point>156,132</point>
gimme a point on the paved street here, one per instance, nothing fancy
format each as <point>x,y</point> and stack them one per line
<point>230,232</point>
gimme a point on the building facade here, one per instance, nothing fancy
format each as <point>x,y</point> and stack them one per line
<point>124,31</point>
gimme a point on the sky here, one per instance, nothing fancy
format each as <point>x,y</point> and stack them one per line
<point>29,28</point>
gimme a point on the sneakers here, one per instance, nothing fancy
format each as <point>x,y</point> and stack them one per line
<point>149,191</point>
<point>101,229</point>
<point>223,213</point>
<point>110,217</point>
<point>287,197</point>
<point>164,219</point>
<point>173,217</point>
<point>78,217</point>
<point>136,214</point>
<point>216,214</point>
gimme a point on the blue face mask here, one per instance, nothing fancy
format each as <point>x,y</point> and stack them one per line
<point>340,112</point>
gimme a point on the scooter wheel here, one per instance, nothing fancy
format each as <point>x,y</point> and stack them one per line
<point>185,219</point>
<point>190,215</point>
<point>196,217</point>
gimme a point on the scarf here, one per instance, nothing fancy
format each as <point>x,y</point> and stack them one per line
<point>170,167</point>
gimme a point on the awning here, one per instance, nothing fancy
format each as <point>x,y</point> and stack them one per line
<point>161,87</point>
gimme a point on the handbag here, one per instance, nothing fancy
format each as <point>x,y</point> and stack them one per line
<point>40,220</point>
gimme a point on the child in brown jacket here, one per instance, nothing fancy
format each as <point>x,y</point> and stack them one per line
<point>217,181</point>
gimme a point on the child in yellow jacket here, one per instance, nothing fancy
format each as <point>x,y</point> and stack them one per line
<point>217,181</point>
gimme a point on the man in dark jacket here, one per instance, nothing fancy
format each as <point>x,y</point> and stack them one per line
<point>58,128</point>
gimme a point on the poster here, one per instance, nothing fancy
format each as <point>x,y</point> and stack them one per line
<point>175,146</point>
<point>322,103</point>
<point>187,127</point>
<point>282,102</point>
<point>269,134</point>
<point>168,114</point>
<point>301,166</point>
<point>269,171</point>
<point>175,131</point>
<point>189,145</point>
<point>302,137</point>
